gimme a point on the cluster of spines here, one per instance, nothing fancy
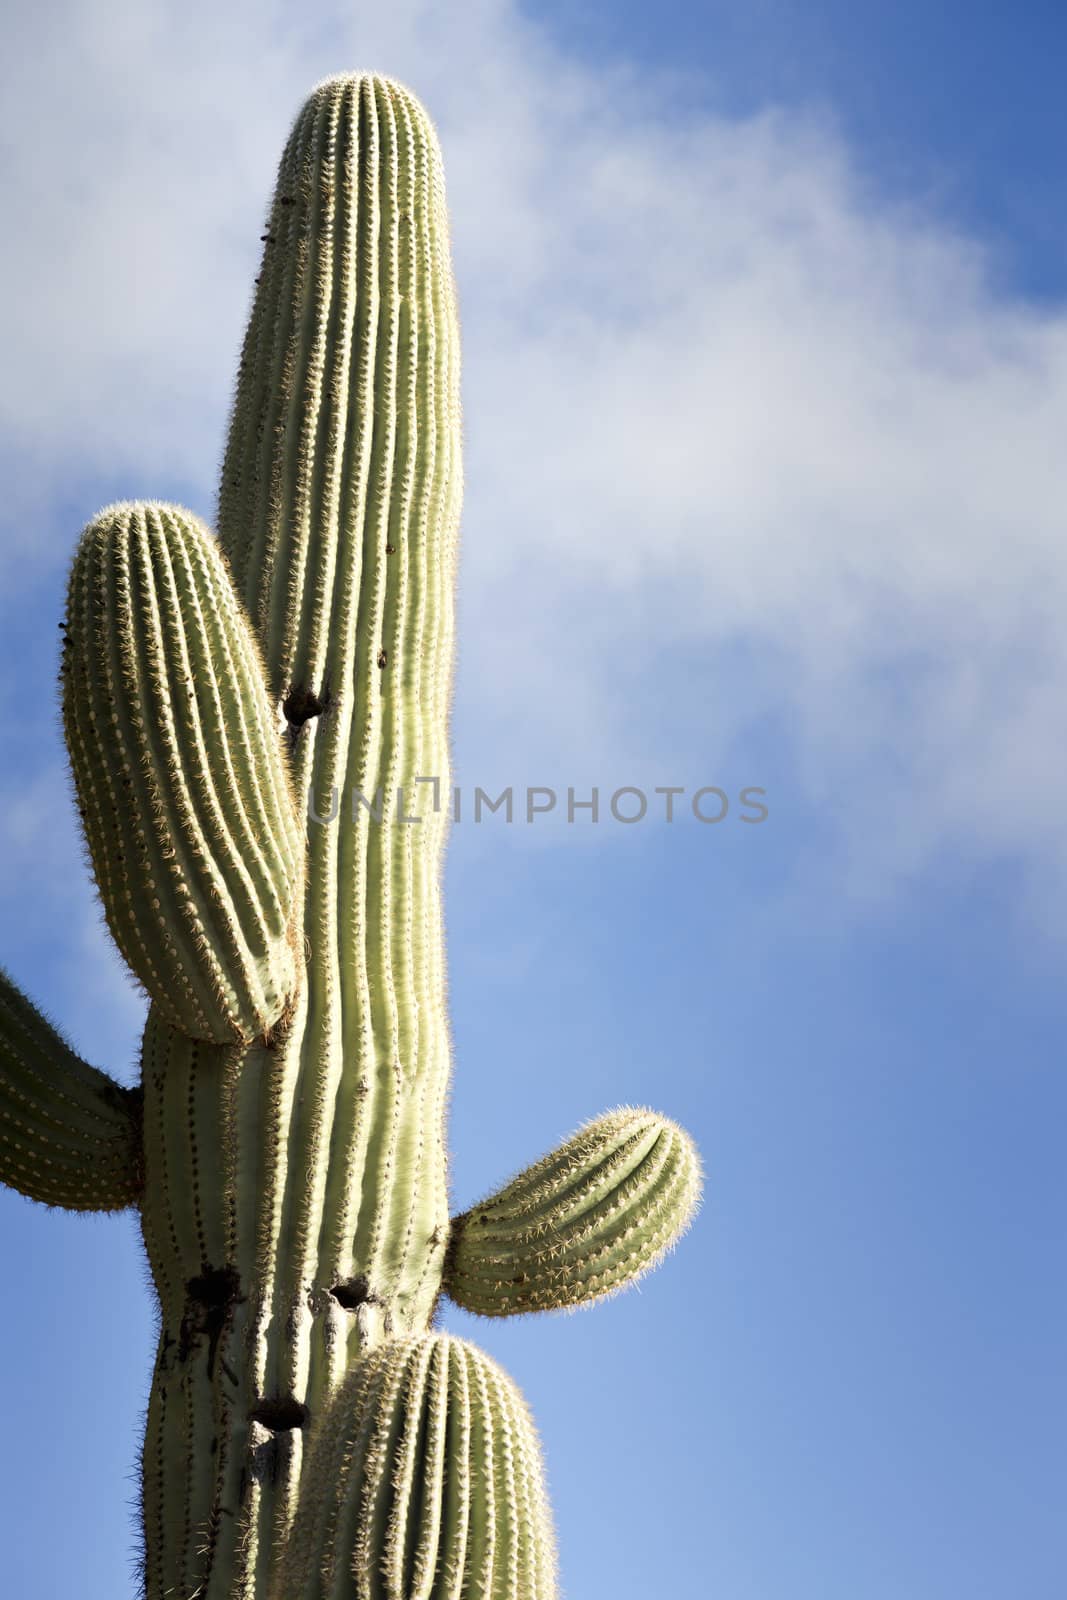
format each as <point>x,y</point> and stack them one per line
<point>583,1222</point>
<point>180,775</point>
<point>69,1135</point>
<point>426,1483</point>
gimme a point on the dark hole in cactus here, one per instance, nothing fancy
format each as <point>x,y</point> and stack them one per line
<point>353,1293</point>
<point>210,1298</point>
<point>279,1414</point>
<point>215,1288</point>
<point>301,704</point>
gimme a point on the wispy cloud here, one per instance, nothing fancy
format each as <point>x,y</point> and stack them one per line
<point>721,397</point>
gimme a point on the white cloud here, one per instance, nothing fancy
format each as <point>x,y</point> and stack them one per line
<point>719,393</point>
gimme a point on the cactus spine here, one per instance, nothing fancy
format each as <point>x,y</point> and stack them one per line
<point>307,1435</point>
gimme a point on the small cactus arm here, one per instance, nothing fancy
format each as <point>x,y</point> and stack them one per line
<point>308,1435</point>
<point>69,1135</point>
<point>587,1220</point>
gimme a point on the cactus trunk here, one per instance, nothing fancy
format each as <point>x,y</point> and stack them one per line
<point>312,1217</point>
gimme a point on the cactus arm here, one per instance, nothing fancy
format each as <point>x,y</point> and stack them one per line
<point>584,1222</point>
<point>180,774</point>
<point>69,1135</point>
<point>426,1480</point>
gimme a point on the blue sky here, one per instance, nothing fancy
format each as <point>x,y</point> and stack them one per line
<point>766,378</point>
<point>936,101</point>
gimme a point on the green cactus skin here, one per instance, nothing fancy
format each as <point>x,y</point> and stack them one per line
<point>180,774</point>
<point>427,1484</point>
<point>69,1135</point>
<point>307,1435</point>
<point>584,1222</point>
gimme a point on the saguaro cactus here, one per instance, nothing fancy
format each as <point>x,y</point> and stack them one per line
<point>245,719</point>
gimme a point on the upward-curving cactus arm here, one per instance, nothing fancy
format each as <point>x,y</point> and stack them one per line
<point>180,774</point>
<point>69,1135</point>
